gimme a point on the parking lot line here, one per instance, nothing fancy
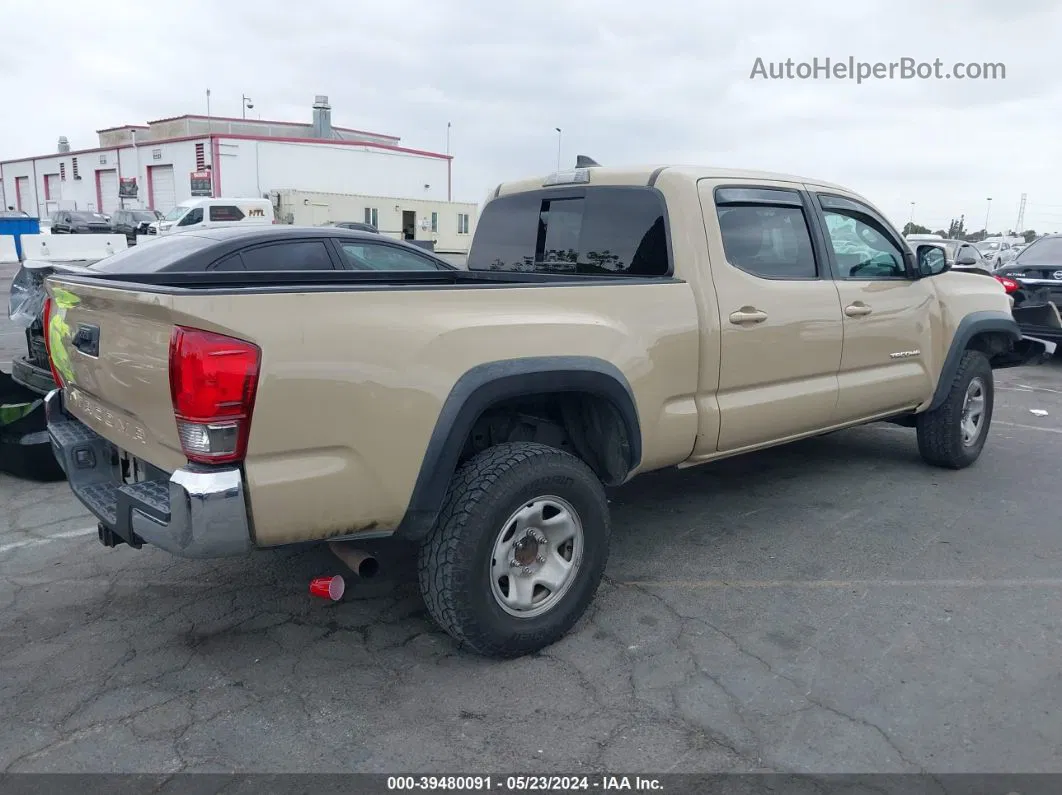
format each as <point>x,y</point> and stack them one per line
<point>33,542</point>
<point>1053,582</point>
<point>1028,427</point>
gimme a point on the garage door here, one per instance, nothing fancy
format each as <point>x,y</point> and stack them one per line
<point>163,188</point>
<point>22,195</point>
<point>53,190</point>
<point>108,190</point>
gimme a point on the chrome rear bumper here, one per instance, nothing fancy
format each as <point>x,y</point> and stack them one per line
<point>195,512</point>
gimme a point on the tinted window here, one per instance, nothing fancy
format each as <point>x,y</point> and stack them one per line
<point>768,241</point>
<point>155,256</point>
<point>861,249</point>
<point>371,256</point>
<point>507,233</point>
<point>193,217</point>
<point>1045,251</point>
<point>233,262</point>
<point>226,212</point>
<point>303,255</point>
<point>615,231</point>
<point>140,217</point>
<point>86,218</point>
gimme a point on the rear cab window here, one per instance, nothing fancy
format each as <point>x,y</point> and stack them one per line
<point>594,231</point>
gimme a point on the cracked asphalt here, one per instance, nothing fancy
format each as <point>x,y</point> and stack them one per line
<point>832,606</point>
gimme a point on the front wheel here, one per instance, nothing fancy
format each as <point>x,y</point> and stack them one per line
<point>518,551</point>
<point>953,435</point>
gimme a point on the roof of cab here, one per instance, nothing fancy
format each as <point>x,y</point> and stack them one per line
<point>643,174</point>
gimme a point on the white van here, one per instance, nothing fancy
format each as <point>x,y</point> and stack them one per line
<point>204,213</point>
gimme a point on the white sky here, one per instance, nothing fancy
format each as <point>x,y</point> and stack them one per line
<point>628,82</point>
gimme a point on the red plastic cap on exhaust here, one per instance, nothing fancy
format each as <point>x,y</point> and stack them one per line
<point>213,383</point>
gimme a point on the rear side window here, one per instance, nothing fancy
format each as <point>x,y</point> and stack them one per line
<point>226,212</point>
<point>765,233</point>
<point>610,231</point>
<point>155,256</point>
<point>300,255</point>
<point>376,257</point>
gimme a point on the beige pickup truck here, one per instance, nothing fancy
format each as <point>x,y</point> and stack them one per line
<point>610,322</point>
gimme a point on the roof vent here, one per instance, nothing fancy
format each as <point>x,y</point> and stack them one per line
<point>322,117</point>
<point>64,143</point>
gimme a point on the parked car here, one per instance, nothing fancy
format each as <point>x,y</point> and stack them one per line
<point>1034,280</point>
<point>133,222</point>
<point>996,252</point>
<point>197,214</point>
<point>611,322</point>
<point>75,222</point>
<point>271,248</point>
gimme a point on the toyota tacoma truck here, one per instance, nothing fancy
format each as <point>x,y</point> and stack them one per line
<point>612,321</point>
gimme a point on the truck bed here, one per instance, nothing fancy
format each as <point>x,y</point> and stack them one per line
<point>356,368</point>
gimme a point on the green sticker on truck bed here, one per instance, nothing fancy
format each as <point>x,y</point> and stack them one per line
<point>58,331</point>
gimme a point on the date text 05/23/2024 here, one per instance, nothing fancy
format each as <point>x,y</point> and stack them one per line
<point>521,783</point>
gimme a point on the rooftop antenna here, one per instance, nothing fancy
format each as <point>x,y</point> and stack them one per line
<point>582,161</point>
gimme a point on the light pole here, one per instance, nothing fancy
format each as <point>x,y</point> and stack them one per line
<point>246,105</point>
<point>447,137</point>
<point>912,214</point>
<point>987,213</point>
<point>558,129</point>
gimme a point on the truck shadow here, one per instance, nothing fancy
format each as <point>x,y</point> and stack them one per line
<point>790,478</point>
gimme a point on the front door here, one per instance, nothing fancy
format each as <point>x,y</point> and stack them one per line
<point>409,224</point>
<point>779,341</point>
<point>889,316</point>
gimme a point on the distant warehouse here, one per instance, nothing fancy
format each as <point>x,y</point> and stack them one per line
<point>167,161</point>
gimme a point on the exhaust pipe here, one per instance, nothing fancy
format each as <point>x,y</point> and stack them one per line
<point>357,560</point>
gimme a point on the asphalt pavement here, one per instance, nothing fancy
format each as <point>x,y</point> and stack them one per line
<point>831,606</point>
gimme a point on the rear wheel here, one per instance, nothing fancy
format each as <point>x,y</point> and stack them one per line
<point>954,434</point>
<point>518,551</point>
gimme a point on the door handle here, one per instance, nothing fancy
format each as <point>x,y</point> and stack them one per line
<point>87,340</point>
<point>747,315</point>
<point>857,310</point>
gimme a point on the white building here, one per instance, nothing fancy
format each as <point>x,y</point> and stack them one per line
<point>167,161</point>
<point>448,225</point>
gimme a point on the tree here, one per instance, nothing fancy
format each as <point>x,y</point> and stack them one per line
<point>1029,235</point>
<point>912,228</point>
<point>957,229</point>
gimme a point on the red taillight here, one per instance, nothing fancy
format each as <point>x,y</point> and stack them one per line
<point>46,319</point>
<point>1009,285</point>
<point>213,381</point>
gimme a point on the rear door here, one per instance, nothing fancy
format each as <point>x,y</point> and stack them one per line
<point>888,361</point>
<point>108,190</point>
<point>779,348</point>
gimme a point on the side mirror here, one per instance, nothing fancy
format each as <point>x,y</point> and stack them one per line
<point>931,261</point>
<point>966,259</point>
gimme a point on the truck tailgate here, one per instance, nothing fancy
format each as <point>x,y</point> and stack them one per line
<point>111,349</point>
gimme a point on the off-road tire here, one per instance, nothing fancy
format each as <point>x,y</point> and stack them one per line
<point>940,432</point>
<point>454,560</point>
